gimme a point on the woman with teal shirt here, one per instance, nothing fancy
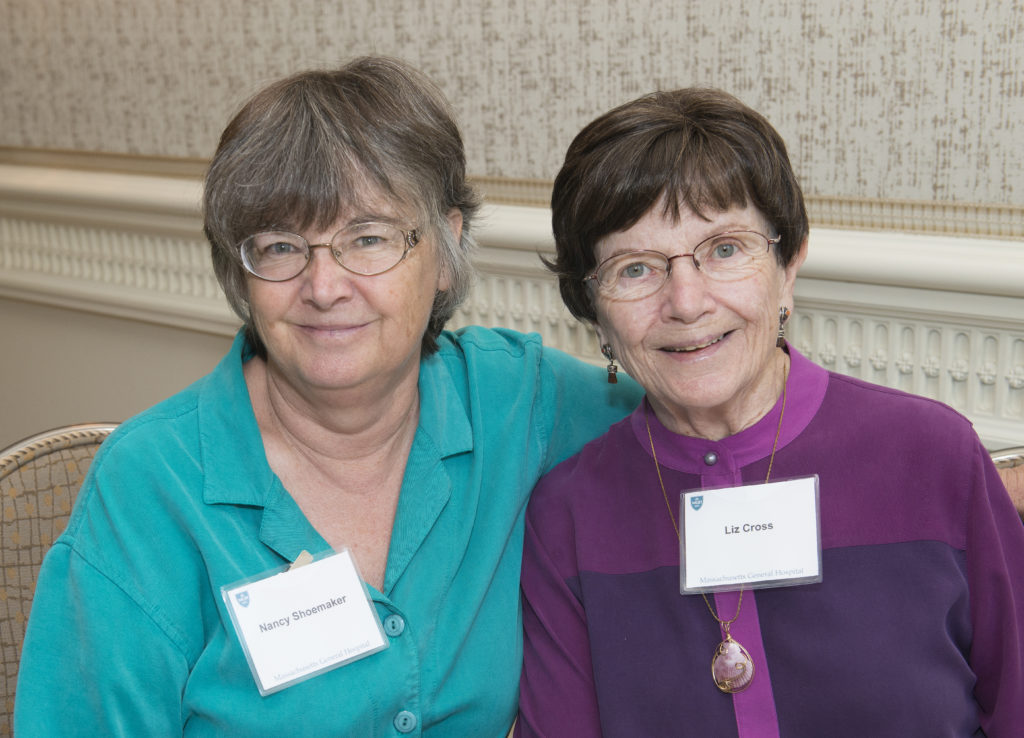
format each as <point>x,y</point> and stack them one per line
<point>343,418</point>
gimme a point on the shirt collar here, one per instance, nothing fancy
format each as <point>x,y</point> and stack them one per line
<point>229,436</point>
<point>443,415</point>
<point>234,464</point>
<point>805,391</point>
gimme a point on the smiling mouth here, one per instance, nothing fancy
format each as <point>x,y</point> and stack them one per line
<point>698,347</point>
<point>331,330</point>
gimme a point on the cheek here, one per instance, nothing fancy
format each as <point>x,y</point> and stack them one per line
<point>267,302</point>
<point>759,303</point>
<point>407,304</point>
<point>624,327</point>
<point>257,303</point>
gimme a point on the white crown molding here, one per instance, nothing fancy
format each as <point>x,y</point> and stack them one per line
<point>130,202</point>
<point>984,266</point>
<point>982,220</point>
<point>937,315</point>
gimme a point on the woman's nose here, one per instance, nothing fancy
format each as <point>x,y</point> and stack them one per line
<point>685,293</point>
<point>328,280</point>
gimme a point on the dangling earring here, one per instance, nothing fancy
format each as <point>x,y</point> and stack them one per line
<point>613,370</point>
<point>783,317</point>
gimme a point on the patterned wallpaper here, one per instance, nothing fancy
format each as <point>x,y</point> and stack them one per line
<point>915,100</point>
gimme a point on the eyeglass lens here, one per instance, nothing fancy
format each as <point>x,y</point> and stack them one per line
<point>723,257</point>
<point>363,248</point>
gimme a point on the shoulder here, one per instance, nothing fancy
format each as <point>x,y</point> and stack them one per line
<point>492,349</point>
<point>172,426</point>
<point>898,450</point>
<point>476,340</point>
<point>125,529</point>
<point>891,412</point>
<point>529,393</point>
<point>151,465</point>
<point>152,434</point>
<point>499,355</point>
<point>476,344</point>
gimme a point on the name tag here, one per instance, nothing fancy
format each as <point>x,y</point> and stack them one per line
<point>755,536</point>
<point>300,622</point>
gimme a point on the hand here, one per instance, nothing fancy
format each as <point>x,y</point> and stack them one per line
<point>1013,478</point>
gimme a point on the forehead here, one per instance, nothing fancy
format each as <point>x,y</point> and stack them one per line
<point>372,205</point>
<point>657,230</point>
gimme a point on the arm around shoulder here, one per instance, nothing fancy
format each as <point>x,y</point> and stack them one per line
<point>583,403</point>
<point>995,570</point>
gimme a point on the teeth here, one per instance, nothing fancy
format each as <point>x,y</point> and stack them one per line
<point>688,349</point>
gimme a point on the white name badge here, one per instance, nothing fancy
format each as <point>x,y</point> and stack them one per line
<point>300,622</point>
<point>758,535</point>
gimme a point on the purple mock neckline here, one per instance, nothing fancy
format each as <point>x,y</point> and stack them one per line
<point>805,390</point>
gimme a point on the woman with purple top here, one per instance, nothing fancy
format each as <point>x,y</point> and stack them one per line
<point>763,548</point>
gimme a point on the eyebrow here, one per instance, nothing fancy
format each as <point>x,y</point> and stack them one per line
<point>367,215</point>
<point>724,229</point>
<point>397,221</point>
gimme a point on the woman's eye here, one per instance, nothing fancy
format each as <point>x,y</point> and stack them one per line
<point>635,270</point>
<point>280,248</point>
<point>367,241</point>
<point>724,250</point>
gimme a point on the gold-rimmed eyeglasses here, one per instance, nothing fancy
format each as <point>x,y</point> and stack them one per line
<point>724,257</point>
<point>361,248</point>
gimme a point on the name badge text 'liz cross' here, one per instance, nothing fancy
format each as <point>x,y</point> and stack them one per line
<point>750,537</point>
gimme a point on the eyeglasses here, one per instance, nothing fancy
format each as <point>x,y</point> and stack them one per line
<point>362,248</point>
<point>724,257</point>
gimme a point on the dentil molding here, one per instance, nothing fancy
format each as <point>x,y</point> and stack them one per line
<point>936,315</point>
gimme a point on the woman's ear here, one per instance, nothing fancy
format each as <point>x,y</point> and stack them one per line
<point>455,222</point>
<point>790,272</point>
<point>454,216</point>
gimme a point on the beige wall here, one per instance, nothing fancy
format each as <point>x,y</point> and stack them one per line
<point>900,117</point>
<point>61,366</point>
<point>918,100</point>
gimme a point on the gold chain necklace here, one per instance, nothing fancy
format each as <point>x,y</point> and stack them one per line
<point>731,666</point>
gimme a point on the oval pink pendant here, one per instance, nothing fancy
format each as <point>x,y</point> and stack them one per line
<point>732,668</point>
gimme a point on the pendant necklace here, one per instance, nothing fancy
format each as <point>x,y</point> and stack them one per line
<point>731,666</point>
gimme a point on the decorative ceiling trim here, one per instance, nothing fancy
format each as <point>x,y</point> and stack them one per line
<point>933,314</point>
<point>982,220</point>
<point>905,216</point>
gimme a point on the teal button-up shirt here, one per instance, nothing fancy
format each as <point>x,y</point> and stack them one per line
<point>129,634</point>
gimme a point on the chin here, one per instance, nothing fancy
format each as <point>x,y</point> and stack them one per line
<point>703,393</point>
<point>331,376</point>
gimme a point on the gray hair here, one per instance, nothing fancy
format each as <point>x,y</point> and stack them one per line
<point>310,144</point>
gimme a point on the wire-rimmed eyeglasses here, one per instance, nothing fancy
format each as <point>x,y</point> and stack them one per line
<point>724,257</point>
<point>362,248</point>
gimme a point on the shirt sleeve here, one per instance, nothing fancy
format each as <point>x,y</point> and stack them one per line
<point>557,695</point>
<point>995,569</point>
<point>93,662</point>
<point>583,404</point>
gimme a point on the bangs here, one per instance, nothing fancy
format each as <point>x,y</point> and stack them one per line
<point>680,168</point>
<point>705,177</point>
<point>314,197</point>
<point>325,168</point>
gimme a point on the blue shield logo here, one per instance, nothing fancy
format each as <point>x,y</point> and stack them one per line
<point>697,502</point>
<point>243,598</point>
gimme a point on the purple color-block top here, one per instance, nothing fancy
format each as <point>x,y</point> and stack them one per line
<point>915,630</point>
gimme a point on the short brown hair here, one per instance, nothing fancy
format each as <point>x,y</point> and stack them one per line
<point>305,146</point>
<point>697,147</point>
